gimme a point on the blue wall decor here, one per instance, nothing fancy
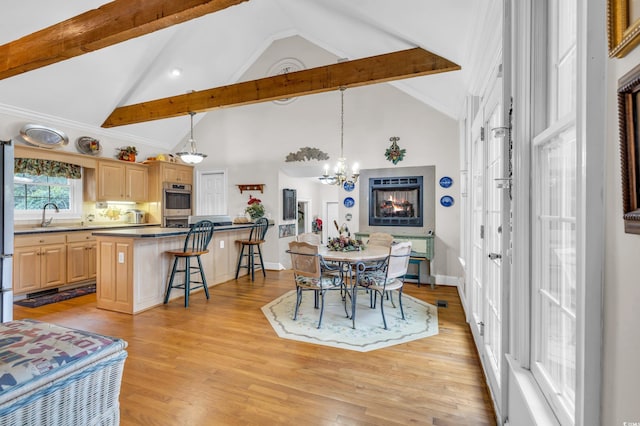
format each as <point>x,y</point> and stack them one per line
<point>446,201</point>
<point>446,181</point>
<point>349,202</point>
<point>348,186</point>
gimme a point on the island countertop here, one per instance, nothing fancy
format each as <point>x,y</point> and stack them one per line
<point>160,232</point>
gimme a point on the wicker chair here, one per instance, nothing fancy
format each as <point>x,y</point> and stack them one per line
<point>380,239</point>
<point>311,273</point>
<point>386,279</point>
<point>310,237</point>
<point>195,245</point>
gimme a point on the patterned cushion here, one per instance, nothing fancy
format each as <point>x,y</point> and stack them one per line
<point>323,282</point>
<point>378,278</point>
<point>30,349</point>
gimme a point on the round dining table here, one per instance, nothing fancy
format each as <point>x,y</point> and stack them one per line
<point>347,261</point>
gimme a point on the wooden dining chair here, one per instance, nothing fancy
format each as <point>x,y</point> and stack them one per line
<point>255,240</point>
<point>310,238</point>
<point>312,273</point>
<point>195,245</point>
<point>380,239</point>
<point>388,278</point>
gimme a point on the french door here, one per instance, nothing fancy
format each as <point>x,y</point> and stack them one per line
<point>490,235</point>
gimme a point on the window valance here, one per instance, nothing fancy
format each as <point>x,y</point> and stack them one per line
<point>38,167</point>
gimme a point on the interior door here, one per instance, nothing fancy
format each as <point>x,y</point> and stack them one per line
<point>211,199</point>
<point>476,287</point>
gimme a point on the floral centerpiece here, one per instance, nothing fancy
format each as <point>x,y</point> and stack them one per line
<point>344,242</point>
<point>255,209</point>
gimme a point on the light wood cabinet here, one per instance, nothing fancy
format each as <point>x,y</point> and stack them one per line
<point>115,275</point>
<point>39,262</point>
<point>172,172</point>
<point>122,181</point>
<point>81,257</point>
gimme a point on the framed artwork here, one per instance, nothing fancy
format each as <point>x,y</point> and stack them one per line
<point>289,204</point>
<point>629,121</point>
<point>624,26</point>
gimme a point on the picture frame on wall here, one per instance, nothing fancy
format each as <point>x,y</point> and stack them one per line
<point>289,204</point>
<point>623,26</point>
<point>629,121</point>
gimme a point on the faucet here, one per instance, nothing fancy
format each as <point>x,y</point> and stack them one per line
<point>44,209</point>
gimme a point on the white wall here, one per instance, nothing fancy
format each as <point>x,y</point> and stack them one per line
<point>621,372</point>
<point>250,140</point>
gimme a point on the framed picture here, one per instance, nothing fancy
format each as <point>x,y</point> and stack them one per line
<point>624,26</point>
<point>629,120</point>
<point>289,204</point>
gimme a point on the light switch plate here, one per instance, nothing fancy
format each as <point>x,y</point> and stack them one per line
<point>120,257</point>
<point>221,243</point>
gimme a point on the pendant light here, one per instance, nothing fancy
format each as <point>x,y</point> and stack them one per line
<point>189,153</point>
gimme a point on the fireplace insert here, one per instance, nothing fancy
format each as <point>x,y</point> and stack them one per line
<point>396,201</point>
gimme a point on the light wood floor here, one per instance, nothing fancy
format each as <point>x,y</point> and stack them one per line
<point>220,363</point>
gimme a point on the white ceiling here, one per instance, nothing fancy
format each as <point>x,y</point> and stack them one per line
<point>219,48</point>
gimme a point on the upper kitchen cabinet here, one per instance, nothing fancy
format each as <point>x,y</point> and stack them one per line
<point>179,173</point>
<point>122,181</point>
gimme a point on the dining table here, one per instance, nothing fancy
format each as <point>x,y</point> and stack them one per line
<point>347,260</point>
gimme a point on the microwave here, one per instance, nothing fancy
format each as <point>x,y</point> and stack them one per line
<point>176,199</point>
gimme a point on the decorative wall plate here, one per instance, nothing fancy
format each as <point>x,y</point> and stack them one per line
<point>88,145</point>
<point>446,201</point>
<point>44,137</point>
<point>446,181</point>
<point>348,186</point>
<point>349,202</point>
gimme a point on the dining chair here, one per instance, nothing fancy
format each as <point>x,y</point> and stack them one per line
<point>195,245</point>
<point>255,240</point>
<point>310,238</point>
<point>385,279</point>
<point>380,239</point>
<point>312,273</point>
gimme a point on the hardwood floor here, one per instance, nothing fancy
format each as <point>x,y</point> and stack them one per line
<point>220,363</point>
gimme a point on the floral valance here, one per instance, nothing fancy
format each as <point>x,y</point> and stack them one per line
<point>34,166</point>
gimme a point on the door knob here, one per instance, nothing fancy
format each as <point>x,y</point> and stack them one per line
<point>494,256</point>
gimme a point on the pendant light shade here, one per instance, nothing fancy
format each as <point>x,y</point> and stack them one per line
<point>189,153</point>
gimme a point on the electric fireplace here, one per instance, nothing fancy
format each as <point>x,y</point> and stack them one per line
<point>396,201</point>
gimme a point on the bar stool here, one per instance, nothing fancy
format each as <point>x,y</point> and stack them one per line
<point>256,238</point>
<point>195,245</point>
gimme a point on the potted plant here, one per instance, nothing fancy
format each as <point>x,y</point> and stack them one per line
<point>127,153</point>
<point>255,209</point>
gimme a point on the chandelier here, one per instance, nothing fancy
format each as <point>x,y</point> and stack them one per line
<point>339,175</point>
<point>189,153</point>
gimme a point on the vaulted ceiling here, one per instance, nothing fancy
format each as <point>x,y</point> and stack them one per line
<point>216,49</point>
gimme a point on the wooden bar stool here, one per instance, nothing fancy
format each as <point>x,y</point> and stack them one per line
<point>256,238</point>
<point>195,245</point>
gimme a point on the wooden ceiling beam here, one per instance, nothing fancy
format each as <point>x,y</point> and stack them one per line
<point>360,72</point>
<point>110,24</point>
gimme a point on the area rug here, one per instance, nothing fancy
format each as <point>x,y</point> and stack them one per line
<point>34,302</point>
<point>369,334</point>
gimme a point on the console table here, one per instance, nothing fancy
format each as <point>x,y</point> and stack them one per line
<point>422,250</point>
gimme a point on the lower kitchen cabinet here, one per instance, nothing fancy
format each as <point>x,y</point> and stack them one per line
<point>115,275</point>
<point>39,262</point>
<point>81,257</point>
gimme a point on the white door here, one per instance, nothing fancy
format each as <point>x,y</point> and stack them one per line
<point>212,197</point>
<point>490,227</point>
<point>332,215</point>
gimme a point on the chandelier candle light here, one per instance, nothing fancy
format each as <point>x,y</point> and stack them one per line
<point>340,172</point>
<point>189,153</point>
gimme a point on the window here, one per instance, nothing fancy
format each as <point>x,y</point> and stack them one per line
<point>554,221</point>
<point>32,192</point>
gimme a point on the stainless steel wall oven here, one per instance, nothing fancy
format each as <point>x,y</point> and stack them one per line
<point>176,204</point>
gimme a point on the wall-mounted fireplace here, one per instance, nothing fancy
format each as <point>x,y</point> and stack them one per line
<point>396,201</point>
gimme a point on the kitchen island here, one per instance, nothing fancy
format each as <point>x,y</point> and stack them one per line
<point>133,267</point>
